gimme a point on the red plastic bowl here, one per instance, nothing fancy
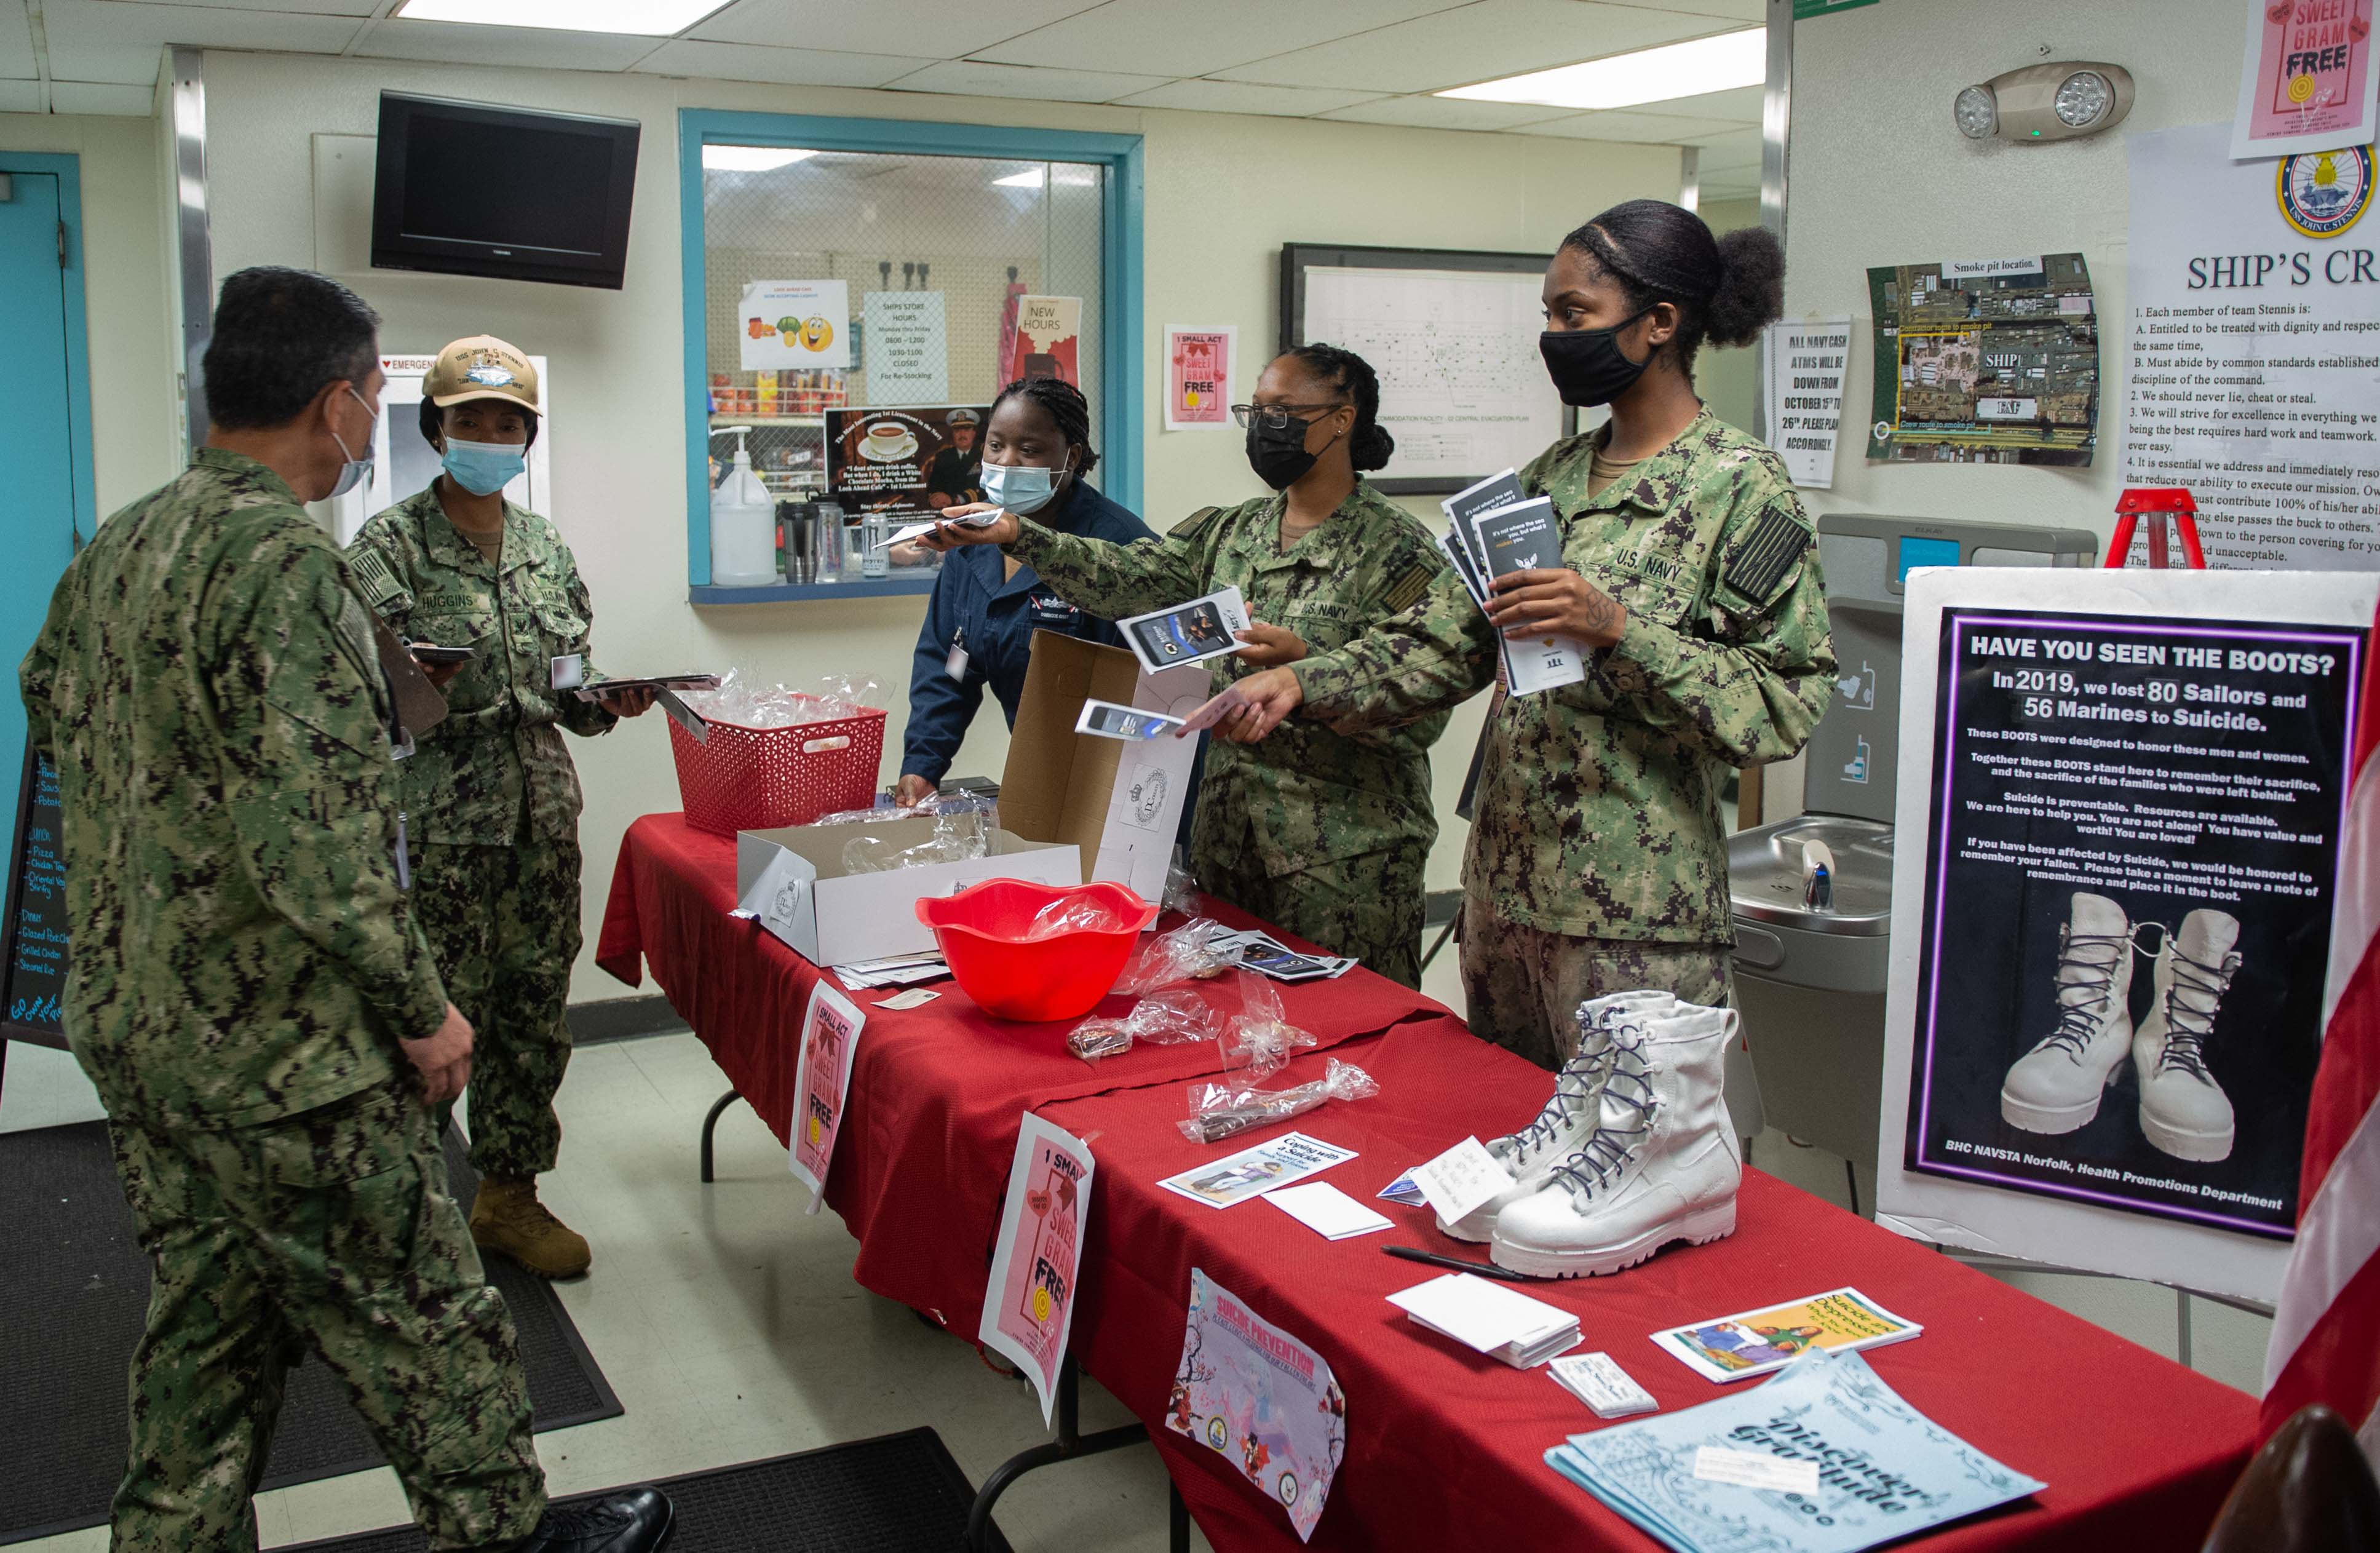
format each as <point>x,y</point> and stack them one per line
<point>987,933</point>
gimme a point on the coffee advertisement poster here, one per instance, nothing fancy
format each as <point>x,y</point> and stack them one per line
<point>907,464</point>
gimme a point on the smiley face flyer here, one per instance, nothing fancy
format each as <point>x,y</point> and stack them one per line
<point>830,1036</point>
<point>1028,1307</point>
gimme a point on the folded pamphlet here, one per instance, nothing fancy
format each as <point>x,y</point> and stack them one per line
<point>1489,1318</point>
<point>972,520</point>
<point>1523,537</point>
<point>1252,1172</point>
<point>1756,1341</point>
<point>1204,628</point>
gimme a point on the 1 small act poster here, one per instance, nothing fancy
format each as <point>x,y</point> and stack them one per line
<point>796,324</point>
<point>1028,1307</point>
<point>2306,82</point>
<point>821,1079</point>
<point>1049,340</point>
<point>1261,1399</point>
<point>1198,378</point>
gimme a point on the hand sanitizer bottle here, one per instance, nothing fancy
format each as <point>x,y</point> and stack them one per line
<point>743,525</point>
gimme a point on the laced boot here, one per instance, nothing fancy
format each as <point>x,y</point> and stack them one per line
<point>2056,1086</point>
<point>1568,1119</point>
<point>623,1520</point>
<point>1659,1166</point>
<point>2183,1111</point>
<point>507,1217</point>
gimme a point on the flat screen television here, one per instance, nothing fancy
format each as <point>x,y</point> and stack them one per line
<point>476,189</point>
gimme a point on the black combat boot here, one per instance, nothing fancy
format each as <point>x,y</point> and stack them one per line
<point>623,1520</point>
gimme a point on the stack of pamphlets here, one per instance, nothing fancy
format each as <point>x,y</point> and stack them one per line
<point>1756,1341</point>
<point>1490,1318</point>
<point>1495,527</point>
<point>895,970</point>
<point>1598,1380</point>
<point>1823,1459</point>
<point>1267,955</point>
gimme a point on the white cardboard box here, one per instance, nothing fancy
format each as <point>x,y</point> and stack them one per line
<point>830,917</point>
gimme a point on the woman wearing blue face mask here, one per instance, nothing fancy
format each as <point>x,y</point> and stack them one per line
<point>491,795</point>
<point>979,625</point>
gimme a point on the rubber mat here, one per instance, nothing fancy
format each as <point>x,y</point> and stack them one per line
<point>894,1494</point>
<point>73,1297</point>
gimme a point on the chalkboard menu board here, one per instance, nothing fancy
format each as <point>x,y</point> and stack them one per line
<point>34,949</point>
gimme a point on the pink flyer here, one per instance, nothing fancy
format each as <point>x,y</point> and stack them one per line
<point>1198,378</point>
<point>1028,1307</point>
<point>2308,82</point>
<point>1261,1398</point>
<point>821,1076</point>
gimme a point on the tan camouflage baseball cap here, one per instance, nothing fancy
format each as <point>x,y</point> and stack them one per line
<point>481,368</point>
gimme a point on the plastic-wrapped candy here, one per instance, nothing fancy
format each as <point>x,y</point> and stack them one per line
<point>1258,1041</point>
<point>1180,889</point>
<point>750,705</point>
<point>1095,1038</point>
<point>1188,953</point>
<point>1218,1111</point>
<point>1078,914</point>
<point>1175,1016</point>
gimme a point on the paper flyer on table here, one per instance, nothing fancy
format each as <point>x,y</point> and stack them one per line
<point>1028,1307</point>
<point>1188,633</point>
<point>822,1078</point>
<point>1756,1341</point>
<point>1252,1172</point>
<point>1261,1398</point>
<point>1884,1470</point>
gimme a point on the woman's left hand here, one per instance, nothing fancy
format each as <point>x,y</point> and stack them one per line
<point>628,703</point>
<point>1268,646</point>
<point>1559,600</point>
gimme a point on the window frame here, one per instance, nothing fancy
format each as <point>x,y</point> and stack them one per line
<point>1120,278</point>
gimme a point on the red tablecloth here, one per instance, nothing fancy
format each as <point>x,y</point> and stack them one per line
<point>1445,1448</point>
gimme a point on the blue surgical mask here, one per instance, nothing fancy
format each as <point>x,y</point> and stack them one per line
<point>1020,487</point>
<point>484,469</point>
<point>354,471</point>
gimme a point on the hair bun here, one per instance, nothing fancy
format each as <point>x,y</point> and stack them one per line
<point>1751,293</point>
<point>1372,448</point>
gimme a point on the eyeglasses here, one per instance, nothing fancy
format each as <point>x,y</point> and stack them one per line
<point>1276,417</point>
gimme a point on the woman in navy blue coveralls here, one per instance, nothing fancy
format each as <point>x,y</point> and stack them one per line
<point>979,625</point>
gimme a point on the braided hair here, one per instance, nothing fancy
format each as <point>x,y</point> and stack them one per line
<point>1370,446</point>
<point>1726,290</point>
<point>1064,405</point>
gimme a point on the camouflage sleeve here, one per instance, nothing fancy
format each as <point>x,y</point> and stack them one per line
<point>307,776</point>
<point>1111,581</point>
<point>584,718</point>
<point>1436,652</point>
<point>37,676</point>
<point>378,564</point>
<point>1751,690</point>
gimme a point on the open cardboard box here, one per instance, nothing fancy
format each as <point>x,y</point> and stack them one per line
<point>793,879</point>
<point>1117,804</point>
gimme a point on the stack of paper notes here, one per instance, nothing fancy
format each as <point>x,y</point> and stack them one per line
<point>1756,1341</point>
<point>893,970</point>
<point>1489,1318</point>
<point>1598,1380</point>
<point>1826,1457</point>
<point>1495,527</point>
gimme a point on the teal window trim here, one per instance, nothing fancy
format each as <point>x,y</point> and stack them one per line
<point>1121,408</point>
<point>66,167</point>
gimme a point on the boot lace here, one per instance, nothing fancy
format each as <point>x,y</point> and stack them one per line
<point>2190,1004</point>
<point>1599,1161</point>
<point>1582,1078</point>
<point>2079,1016</point>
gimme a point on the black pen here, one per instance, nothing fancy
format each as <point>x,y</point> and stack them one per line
<point>1485,1269</point>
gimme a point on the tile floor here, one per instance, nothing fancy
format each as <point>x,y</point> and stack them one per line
<point>727,1320</point>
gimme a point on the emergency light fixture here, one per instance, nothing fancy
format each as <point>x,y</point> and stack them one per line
<point>2045,103</point>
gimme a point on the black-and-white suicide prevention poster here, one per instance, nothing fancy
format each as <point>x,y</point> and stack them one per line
<point>2130,845</point>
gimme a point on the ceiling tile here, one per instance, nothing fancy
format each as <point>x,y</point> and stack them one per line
<point>1445,113</point>
<point>1205,38</point>
<point>1732,148</point>
<point>1741,105</point>
<point>1625,124</point>
<point>977,78</point>
<point>456,43</point>
<point>942,29</point>
<point>757,62</point>
<point>1476,42</point>
<point>297,8</point>
<point>1237,97</point>
<point>1732,10</point>
<point>16,42</point>
<point>21,97</point>
<point>86,97</point>
<point>114,40</point>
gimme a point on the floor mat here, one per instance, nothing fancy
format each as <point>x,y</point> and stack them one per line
<point>74,1296</point>
<point>895,1494</point>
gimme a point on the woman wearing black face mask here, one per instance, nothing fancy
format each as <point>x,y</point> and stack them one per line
<point>1319,832</point>
<point>1597,861</point>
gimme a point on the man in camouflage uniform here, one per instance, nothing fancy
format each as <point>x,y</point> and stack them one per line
<point>1324,833</point>
<point>1597,861</point>
<point>492,797</point>
<point>245,985</point>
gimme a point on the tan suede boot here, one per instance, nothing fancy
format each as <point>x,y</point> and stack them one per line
<point>507,1217</point>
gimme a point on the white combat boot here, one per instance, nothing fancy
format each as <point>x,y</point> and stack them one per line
<point>1563,1128</point>
<point>2183,1111</point>
<point>1660,1166</point>
<point>2056,1086</point>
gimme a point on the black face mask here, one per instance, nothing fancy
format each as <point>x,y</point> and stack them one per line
<point>1587,365</point>
<point>1279,456</point>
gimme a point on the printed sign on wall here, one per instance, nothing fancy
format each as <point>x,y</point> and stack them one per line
<point>793,323</point>
<point>2306,82</point>
<point>1198,378</point>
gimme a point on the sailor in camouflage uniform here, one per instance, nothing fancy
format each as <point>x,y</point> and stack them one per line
<point>1323,833</point>
<point>245,984</point>
<point>491,798</point>
<point>1597,861</point>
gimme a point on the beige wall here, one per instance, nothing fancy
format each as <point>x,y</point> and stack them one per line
<point>1223,194</point>
<point>1730,380</point>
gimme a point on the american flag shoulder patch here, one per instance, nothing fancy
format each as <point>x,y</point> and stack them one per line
<point>1763,556</point>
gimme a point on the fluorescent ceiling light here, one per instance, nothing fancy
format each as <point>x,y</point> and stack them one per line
<point>645,19</point>
<point>1689,69</point>
<point>1029,179</point>
<point>750,159</point>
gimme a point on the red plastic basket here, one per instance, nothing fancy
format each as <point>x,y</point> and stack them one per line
<point>757,779</point>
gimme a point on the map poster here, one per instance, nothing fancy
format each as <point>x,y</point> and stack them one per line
<point>2306,81</point>
<point>1261,1398</point>
<point>1985,362</point>
<point>797,324</point>
<point>1049,340</point>
<point>822,1078</point>
<point>1028,1307</point>
<point>1198,378</point>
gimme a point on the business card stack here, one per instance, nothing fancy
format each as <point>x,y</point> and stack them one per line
<point>1489,1318</point>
